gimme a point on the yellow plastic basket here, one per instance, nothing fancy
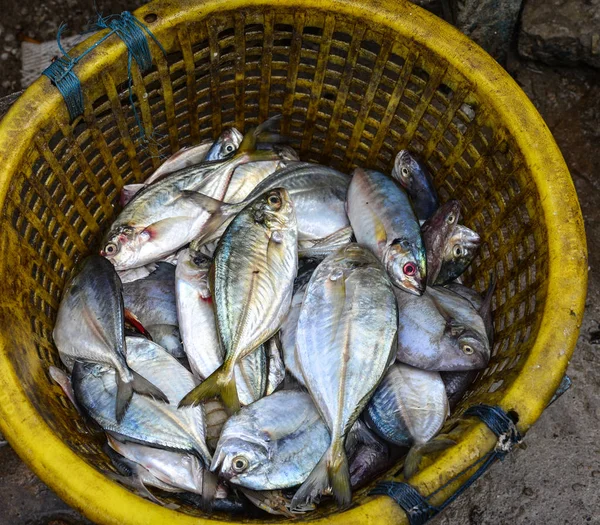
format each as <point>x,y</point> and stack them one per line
<point>355,80</point>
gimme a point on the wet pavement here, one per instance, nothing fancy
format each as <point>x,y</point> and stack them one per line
<point>556,479</point>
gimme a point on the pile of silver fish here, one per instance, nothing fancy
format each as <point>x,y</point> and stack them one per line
<point>259,332</point>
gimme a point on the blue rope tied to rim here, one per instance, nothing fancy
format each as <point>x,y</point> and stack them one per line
<point>127,28</point>
<point>417,508</point>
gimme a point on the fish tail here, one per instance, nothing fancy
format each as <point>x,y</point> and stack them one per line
<point>416,453</point>
<point>220,383</point>
<point>124,395</point>
<point>338,473</point>
<point>144,387</point>
<point>331,471</point>
<point>317,482</point>
<point>251,138</point>
<point>229,395</point>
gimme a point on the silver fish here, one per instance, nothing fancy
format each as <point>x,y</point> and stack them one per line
<point>146,421</point>
<point>417,181</point>
<point>208,150</point>
<point>152,301</point>
<point>383,220</point>
<point>199,330</point>
<point>409,408</point>
<point>345,341</point>
<point>170,213</point>
<point>90,327</point>
<point>318,194</point>
<point>459,251</point>
<point>137,478</point>
<point>178,470</point>
<point>254,269</point>
<point>434,341</point>
<point>483,305</point>
<point>273,443</point>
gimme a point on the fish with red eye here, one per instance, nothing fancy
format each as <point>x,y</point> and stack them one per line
<point>383,220</point>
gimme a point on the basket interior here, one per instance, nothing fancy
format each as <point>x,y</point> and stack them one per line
<point>350,94</point>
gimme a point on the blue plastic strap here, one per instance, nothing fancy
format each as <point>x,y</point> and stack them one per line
<point>417,507</point>
<point>127,28</point>
<point>60,72</point>
<point>131,31</point>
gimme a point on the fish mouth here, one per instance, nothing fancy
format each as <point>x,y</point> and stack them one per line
<point>412,286</point>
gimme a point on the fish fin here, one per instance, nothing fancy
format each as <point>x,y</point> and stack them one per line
<point>416,453</point>
<point>129,191</point>
<point>132,319</point>
<point>313,487</point>
<point>144,387</point>
<point>210,482</point>
<point>199,199</point>
<point>124,395</point>
<point>217,220</point>
<point>136,484</point>
<point>162,228</point>
<point>271,501</point>
<point>64,381</point>
<point>220,383</point>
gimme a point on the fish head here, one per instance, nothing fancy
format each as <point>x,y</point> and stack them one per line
<point>463,350</point>
<point>459,252</point>
<point>406,265</point>
<point>241,461</point>
<point>229,141</point>
<point>462,245</point>
<point>275,211</point>
<point>445,220</point>
<point>122,247</point>
<point>408,171</point>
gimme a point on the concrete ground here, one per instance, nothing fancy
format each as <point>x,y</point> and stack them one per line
<point>556,479</point>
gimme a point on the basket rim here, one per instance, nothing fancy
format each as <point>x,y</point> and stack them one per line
<point>74,480</point>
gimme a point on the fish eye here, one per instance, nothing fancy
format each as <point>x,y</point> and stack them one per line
<point>451,218</point>
<point>457,251</point>
<point>229,148</point>
<point>467,349</point>
<point>410,269</point>
<point>111,248</point>
<point>239,464</point>
<point>404,172</point>
<point>274,201</point>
